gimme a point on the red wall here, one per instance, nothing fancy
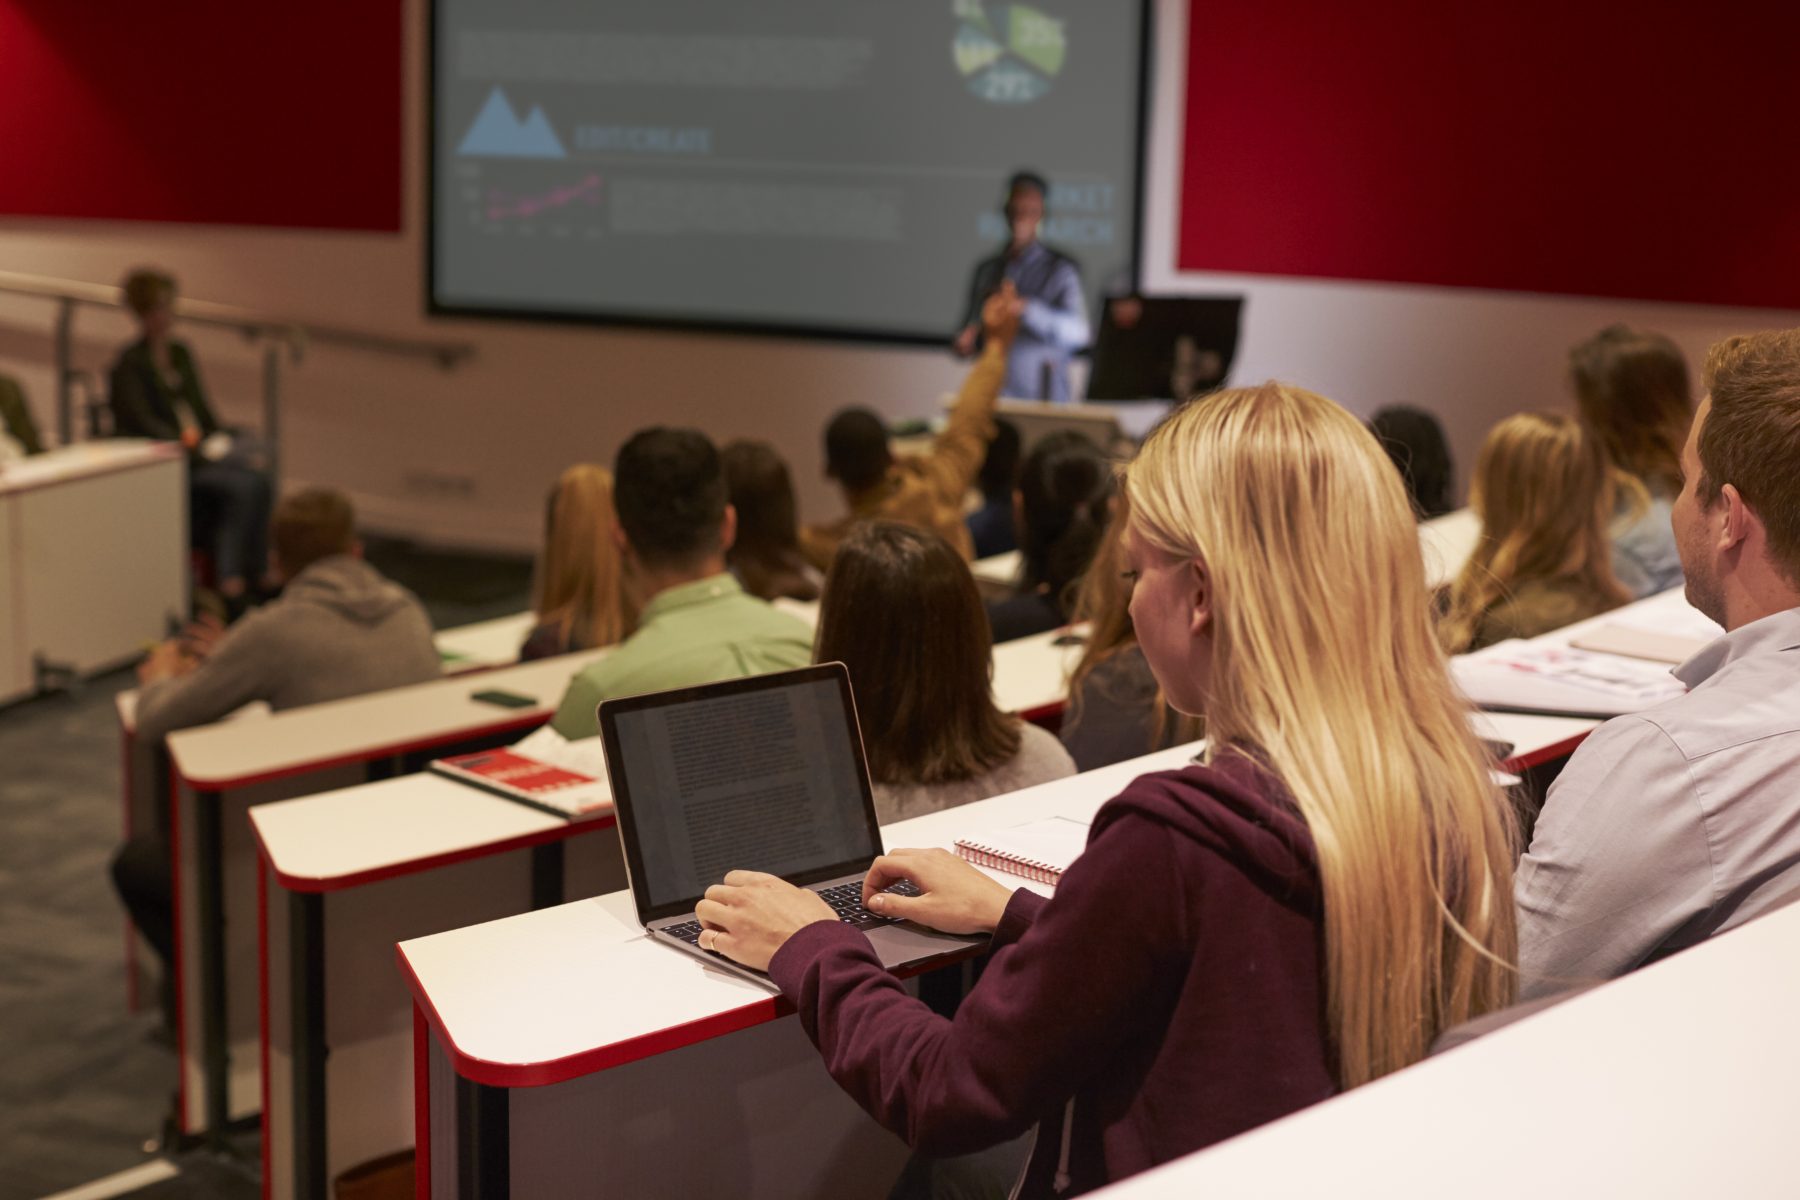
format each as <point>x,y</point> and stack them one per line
<point>1643,151</point>
<point>238,113</point>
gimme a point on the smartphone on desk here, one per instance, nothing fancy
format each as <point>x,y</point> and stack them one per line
<point>503,699</point>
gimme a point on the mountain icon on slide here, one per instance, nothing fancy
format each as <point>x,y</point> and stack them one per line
<point>499,133</point>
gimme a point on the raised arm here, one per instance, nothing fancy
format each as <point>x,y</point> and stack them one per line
<point>957,454</point>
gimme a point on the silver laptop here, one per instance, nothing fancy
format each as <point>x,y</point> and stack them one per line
<point>761,774</point>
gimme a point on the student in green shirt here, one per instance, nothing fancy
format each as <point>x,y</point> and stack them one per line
<point>696,624</point>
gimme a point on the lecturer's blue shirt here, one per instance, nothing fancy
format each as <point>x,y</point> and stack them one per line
<point>1053,327</point>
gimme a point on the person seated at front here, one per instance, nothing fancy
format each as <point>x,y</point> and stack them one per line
<point>922,490</point>
<point>696,624</point>
<point>1415,440</point>
<point>902,612</point>
<point>154,391</point>
<point>1116,708</point>
<point>1544,496</point>
<point>578,593</point>
<point>766,555</point>
<point>991,525</point>
<point>1677,823</point>
<point>1633,396</point>
<point>1302,912</point>
<point>1065,490</point>
<point>339,628</point>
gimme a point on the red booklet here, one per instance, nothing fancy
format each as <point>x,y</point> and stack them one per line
<point>542,785</point>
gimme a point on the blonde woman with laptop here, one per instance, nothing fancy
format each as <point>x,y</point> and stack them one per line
<point>1301,912</point>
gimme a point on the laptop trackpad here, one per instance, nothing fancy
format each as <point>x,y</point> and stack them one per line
<point>906,942</point>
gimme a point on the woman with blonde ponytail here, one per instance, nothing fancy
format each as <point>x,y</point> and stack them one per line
<point>1302,911</point>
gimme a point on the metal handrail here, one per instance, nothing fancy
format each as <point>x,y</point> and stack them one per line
<point>276,334</point>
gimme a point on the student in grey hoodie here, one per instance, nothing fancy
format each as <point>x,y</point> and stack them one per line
<point>339,628</point>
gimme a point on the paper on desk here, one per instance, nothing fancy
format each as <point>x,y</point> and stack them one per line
<point>1631,679</point>
<point>586,756</point>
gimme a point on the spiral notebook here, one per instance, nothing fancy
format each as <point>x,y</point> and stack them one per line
<point>1037,850</point>
<point>548,787</point>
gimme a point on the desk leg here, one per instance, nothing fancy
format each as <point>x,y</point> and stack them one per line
<point>306,1008</point>
<point>484,1137</point>
<point>215,1038</point>
<point>547,875</point>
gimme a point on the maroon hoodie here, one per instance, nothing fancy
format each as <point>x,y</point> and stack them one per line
<point>1171,994</point>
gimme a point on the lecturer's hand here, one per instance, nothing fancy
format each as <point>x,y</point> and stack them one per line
<point>752,915</point>
<point>956,897</point>
<point>1001,312</point>
<point>964,343</point>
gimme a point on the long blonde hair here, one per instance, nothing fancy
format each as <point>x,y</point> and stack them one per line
<point>1325,665</point>
<point>1545,494</point>
<point>580,578</point>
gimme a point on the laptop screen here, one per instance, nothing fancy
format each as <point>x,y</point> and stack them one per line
<point>761,774</point>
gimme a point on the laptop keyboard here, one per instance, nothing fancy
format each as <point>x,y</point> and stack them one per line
<point>845,900</point>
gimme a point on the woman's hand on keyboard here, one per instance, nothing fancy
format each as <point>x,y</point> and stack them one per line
<point>954,896</point>
<point>752,915</point>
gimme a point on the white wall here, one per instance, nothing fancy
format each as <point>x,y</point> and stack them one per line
<point>465,457</point>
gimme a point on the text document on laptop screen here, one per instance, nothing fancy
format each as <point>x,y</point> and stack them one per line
<point>825,166</point>
<point>760,781</point>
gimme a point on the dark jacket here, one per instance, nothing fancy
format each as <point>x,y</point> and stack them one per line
<point>144,405</point>
<point>1171,991</point>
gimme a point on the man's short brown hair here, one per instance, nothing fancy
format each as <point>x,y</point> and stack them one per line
<point>311,525</point>
<point>147,289</point>
<point>1751,438</point>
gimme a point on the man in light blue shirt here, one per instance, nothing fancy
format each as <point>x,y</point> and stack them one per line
<point>1683,821</point>
<point>1054,324</point>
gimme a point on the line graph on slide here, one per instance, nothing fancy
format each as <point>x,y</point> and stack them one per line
<point>502,205</point>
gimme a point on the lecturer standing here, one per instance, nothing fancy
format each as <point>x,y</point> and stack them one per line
<point>1054,324</point>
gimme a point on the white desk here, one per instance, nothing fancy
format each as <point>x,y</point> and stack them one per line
<point>1675,1081</point>
<point>1498,677</point>
<point>344,876</point>
<point>483,644</point>
<point>93,558</point>
<point>221,770</point>
<point>999,571</point>
<point>1031,674</point>
<point>557,1033</point>
<point>1448,542</point>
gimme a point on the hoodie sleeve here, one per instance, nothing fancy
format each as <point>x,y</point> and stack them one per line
<point>1092,970</point>
<point>237,672</point>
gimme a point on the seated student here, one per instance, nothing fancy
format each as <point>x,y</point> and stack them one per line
<point>1301,913</point>
<point>154,391</point>
<point>1064,490</point>
<point>923,490</point>
<point>579,592</point>
<point>1544,496</point>
<point>1116,710</point>
<point>339,628</point>
<point>766,556</point>
<point>1677,823</point>
<point>902,612</point>
<point>1633,396</point>
<point>991,525</point>
<point>1415,440</point>
<point>696,624</point>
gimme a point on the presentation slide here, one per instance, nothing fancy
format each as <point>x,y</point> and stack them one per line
<point>824,166</point>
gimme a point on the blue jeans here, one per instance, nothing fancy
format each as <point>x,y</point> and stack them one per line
<point>230,517</point>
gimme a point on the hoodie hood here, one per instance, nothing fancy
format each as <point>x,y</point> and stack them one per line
<point>1239,810</point>
<point>349,587</point>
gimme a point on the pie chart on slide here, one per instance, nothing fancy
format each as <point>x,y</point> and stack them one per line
<point>1007,53</point>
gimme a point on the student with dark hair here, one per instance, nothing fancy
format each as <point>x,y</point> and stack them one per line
<point>901,611</point>
<point>991,525</point>
<point>1678,823</point>
<point>1054,324</point>
<point>922,490</point>
<point>1063,497</point>
<point>154,391</point>
<point>1415,440</point>
<point>766,556</point>
<point>696,624</point>
<point>1633,395</point>
<point>339,628</point>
